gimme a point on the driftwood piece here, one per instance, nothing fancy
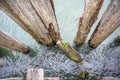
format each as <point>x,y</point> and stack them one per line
<point>88,18</point>
<point>70,51</point>
<point>108,23</point>
<point>12,43</point>
<point>35,74</point>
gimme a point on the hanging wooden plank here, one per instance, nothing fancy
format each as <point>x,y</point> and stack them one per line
<point>11,43</point>
<point>35,74</point>
<point>108,23</point>
<point>91,10</point>
<point>28,17</point>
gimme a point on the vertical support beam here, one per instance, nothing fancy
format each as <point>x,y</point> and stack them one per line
<point>35,74</point>
<point>108,23</point>
<point>11,43</point>
<point>91,10</point>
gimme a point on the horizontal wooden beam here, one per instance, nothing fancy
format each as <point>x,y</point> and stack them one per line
<point>107,25</point>
<point>9,42</point>
<point>91,10</point>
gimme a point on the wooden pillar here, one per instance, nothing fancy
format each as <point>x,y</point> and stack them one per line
<point>91,10</point>
<point>35,74</point>
<point>108,23</point>
<point>70,51</point>
<point>11,43</point>
<point>37,17</point>
<point>24,13</point>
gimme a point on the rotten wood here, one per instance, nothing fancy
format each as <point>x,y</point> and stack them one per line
<point>108,24</point>
<point>35,74</point>
<point>70,52</point>
<point>91,10</point>
<point>11,43</point>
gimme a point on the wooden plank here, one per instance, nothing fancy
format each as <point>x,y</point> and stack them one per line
<point>12,43</point>
<point>70,51</point>
<point>91,10</point>
<point>35,74</point>
<point>108,23</point>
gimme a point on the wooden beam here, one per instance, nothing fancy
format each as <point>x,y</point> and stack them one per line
<point>108,23</point>
<point>70,51</point>
<point>27,17</point>
<point>11,43</point>
<point>91,10</point>
<point>37,18</point>
<point>35,74</point>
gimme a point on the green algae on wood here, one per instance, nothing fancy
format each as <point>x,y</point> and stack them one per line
<point>70,52</point>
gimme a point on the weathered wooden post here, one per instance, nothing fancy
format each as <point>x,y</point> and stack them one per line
<point>70,51</point>
<point>37,17</point>
<point>88,18</point>
<point>108,23</point>
<point>12,43</point>
<point>23,12</point>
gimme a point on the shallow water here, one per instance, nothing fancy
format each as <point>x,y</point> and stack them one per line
<point>99,62</point>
